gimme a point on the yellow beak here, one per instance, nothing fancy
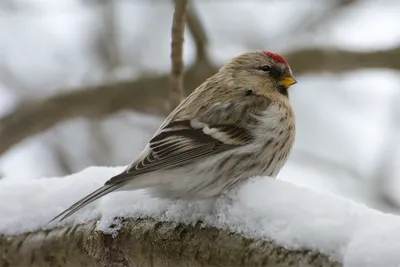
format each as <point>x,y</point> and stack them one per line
<point>287,81</point>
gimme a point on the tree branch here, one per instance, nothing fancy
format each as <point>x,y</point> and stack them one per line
<point>178,29</point>
<point>148,94</point>
<point>149,243</point>
<point>198,33</point>
<point>338,61</point>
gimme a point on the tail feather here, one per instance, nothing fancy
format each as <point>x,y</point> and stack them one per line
<point>85,201</point>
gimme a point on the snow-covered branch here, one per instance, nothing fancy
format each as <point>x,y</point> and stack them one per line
<point>149,243</point>
<point>262,222</point>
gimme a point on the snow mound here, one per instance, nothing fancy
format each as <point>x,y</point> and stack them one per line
<point>292,216</point>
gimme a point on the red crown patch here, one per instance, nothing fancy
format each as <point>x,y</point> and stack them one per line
<point>276,57</point>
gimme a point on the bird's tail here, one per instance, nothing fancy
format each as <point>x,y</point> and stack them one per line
<point>86,200</point>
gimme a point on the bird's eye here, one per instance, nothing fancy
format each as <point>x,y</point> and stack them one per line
<point>249,92</point>
<point>265,68</point>
<point>274,72</point>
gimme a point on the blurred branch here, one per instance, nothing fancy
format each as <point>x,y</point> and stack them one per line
<point>316,60</point>
<point>105,44</point>
<point>178,29</point>
<point>100,147</point>
<point>384,172</point>
<point>10,6</point>
<point>312,22</point>
<point>148,94</point>
<point>60,155</point>
<point>198,32</point>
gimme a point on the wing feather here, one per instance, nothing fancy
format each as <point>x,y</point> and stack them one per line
<point>85,201</point>
<point>184,141</point>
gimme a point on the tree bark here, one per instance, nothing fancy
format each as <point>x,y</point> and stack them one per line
<point>146,243</point>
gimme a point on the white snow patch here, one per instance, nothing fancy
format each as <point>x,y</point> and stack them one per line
<point>292,216</point>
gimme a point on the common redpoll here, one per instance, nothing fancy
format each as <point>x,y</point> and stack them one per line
<point>237,124</point>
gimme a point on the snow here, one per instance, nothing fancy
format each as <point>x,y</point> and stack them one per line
<point>292,216</point>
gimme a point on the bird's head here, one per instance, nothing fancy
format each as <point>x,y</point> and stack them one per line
<point>262,72</point>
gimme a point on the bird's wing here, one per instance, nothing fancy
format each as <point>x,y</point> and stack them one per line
<point>177,143</point>
<point>182,141</point>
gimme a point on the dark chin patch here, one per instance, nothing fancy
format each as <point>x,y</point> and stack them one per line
<point>283,90</point>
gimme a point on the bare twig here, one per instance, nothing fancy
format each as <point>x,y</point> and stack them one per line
<point>148,94</point>
<point>178,29</point>
<point>198,33</point>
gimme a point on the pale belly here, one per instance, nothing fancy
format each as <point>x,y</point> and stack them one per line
<point>214,175</point>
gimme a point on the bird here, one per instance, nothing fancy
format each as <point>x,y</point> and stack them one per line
<point>236,125</point>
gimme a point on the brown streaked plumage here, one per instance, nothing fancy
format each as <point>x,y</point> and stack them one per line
<point>237,124</point>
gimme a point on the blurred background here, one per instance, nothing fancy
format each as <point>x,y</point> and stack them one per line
<point>85,82</point>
